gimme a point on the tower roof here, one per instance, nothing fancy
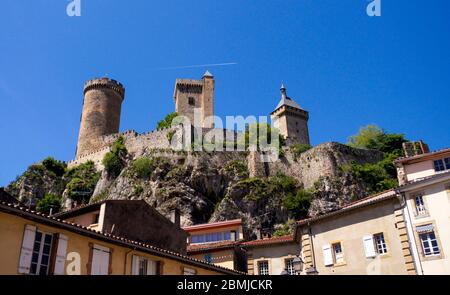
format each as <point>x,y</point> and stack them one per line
<point>285,100</point>
<point>208,74</point>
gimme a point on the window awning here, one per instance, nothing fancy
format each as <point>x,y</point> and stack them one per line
<point>425,228</point>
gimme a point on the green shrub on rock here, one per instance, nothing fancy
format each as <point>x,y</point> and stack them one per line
<point>298,204</point>
<point>83,179</point>
<point>142,167</point>
<point>114,161</point>
<point>167,121</point>
<point>50,202</point>
<point>55,166</point>
<point>298,149</point>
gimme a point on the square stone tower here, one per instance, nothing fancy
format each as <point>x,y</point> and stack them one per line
<point>196,96</point>
<point>291,120</point>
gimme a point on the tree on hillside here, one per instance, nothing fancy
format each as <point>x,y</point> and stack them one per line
<point>365,136</point>
<point>167,121</point>
<point>382,175</point>
<point>373,137</point>
<point>55,166</point>
<point>114,161</point>
<point>50,202</point>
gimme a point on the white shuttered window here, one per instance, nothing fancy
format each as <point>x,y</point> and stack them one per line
<point>369,247</point>
<point>100,260</point>
<point>27,249</point>
<point>327,255</point>
<point>61,251</point>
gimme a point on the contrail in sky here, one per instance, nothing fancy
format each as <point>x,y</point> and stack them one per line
<point>197,66</point>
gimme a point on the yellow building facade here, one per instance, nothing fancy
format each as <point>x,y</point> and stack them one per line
<point>32,243</point>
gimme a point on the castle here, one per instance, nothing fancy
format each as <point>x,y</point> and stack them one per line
<point>100,119</point>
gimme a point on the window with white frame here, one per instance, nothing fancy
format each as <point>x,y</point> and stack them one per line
<point>40,259</point>
<point>374,245</point>
<point>420,205</point>
<point>442,164</point>
<point>290,266</point>
<point>447,163</point>
<point>143,266</point>
<point>380,243</point>
<point>263,268</point>
<point>338,253</point>
<point>429,243</point>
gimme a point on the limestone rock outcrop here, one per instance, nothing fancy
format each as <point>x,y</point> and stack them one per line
<point>218,186</point>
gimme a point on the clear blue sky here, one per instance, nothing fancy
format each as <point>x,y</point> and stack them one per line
<point>346,68</point>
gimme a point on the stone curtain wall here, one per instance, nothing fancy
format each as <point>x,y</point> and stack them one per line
<point>322,160</point>
<point>96,157</point>
<point>140,144</point>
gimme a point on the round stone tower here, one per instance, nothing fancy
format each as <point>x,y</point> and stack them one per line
<point>101,113</point>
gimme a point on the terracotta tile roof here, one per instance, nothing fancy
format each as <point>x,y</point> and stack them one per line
<point>121,241</point>
<point>231,244</point>
<point>211,225</point>
<point>354,205</point>
<point>269,241</point>
<point>194,248</point>
<point>417,157</point>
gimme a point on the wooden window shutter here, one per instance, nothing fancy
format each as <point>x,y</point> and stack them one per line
<point>110,270</point>
<point>327,255</point>
<point>60,261</point>
<point>159,268</point>
<point>369,247</point>
<point>91,255</point>
<point>26,252</point>
<point>51,270</point>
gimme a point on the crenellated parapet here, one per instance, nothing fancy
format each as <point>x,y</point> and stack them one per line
<point>99,83</point>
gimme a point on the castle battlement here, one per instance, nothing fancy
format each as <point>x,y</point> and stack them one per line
<point>100,120</point>
<point>97,83</point>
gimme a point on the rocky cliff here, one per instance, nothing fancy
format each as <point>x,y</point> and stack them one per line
<point>220,185</point>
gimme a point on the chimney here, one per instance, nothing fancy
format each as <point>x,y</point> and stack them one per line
<point>414,148</point>
<point>175,217</point>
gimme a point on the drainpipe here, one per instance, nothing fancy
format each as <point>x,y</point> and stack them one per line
<point>409,229</point>
<point>312,246</point>
<point>125,263</point>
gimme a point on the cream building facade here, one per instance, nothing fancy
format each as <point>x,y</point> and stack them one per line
<point>425,192</point>
<point>218,243</point>
<point>365,237</point>
<point>271,256</point>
